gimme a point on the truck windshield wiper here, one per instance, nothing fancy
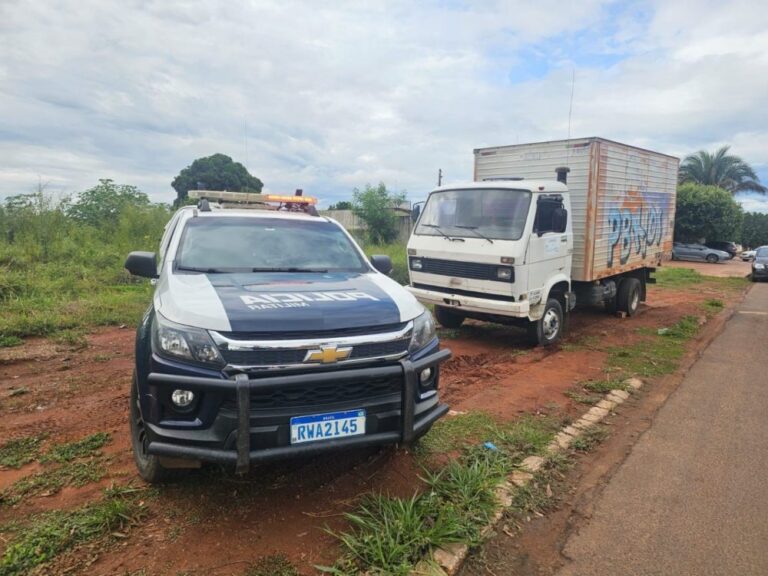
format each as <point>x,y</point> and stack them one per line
<point>436,227</point>
<point>201,269</point>
<point>474,229</point>
<point>289,269</point>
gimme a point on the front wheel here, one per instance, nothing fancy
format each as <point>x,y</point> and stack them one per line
<point>148,465</point>
<point>448,318</point>
<point>549,328</point>
<point>712,258</point>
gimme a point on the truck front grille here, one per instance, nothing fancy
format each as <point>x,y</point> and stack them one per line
<point>457,269</point>
<point>314,395</point>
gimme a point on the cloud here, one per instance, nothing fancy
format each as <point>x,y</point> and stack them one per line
<point>327,98</point>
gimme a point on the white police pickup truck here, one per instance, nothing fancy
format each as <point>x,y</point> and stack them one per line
<point>270,335</point>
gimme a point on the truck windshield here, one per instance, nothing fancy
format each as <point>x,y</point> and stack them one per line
<point>235,244</point>
<point>473,213</point>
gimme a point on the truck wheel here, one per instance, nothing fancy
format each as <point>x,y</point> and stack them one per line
<point>148,465</point>
<point>628,297</point>
<point>549,328</point>
<point>448,318</point>
<point>712,258</point>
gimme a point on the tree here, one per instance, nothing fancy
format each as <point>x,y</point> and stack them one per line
<point>706,212</point>
<point>722,170</point>
<point>375,206</point>
<point>754,230</point>
<point>217,172</point>
<point>343,205</point>
<point>102,205</point>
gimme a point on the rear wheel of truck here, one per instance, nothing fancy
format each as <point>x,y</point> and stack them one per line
<point>148,465</point>
<point>549,328</point>
<point>628,297</point>
<point>448,318</point>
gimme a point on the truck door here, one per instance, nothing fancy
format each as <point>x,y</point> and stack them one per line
<point>549,247</point>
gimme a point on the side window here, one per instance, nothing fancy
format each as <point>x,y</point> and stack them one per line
<point>550,216</point>
<point>166,240</point>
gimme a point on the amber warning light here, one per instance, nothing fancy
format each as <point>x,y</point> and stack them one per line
<point>287,199</point>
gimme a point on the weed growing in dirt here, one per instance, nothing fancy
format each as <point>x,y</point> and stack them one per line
<point>72,337</point>
<point>589,438</point>
<point>8,341</point>
<point>656,355</point>
<point>88,446</point>
<point>389,535</point>
<point>16,453</point>
<point>537,496</point>
<point>274,565</point>
<point>451,433</point>
<point>712,306</point>
<point>53,480</point>
<point>581,398</point>
<point>51,533</point>
<point>604,386</point>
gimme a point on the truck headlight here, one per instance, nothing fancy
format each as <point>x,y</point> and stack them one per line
<point>423,331</point>
<point>416,264</point>
<point>183,342</point>
<point>504,273</point>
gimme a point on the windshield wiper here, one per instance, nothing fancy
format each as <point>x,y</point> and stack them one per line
<point>290,269</point>
<point>201,269</point>
<point>436,227</point>
<point>474,229</point>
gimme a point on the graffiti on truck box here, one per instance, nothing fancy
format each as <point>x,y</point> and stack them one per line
<point>634,228</point>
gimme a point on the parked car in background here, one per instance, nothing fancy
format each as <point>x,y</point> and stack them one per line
<point>748,255</point>
<point>730,247</point>
<point>681,251</point>
<point>760,264</point>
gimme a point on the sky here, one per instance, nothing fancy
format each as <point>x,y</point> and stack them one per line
<point>329,96</point>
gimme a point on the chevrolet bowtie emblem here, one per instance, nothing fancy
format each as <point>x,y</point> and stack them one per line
<point>328,354</point>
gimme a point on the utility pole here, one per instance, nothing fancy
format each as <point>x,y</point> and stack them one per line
<point>440,177</point>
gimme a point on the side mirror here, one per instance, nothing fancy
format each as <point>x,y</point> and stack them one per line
<point>142,264</point>
<point>382,263</point>
<point>560,220</point>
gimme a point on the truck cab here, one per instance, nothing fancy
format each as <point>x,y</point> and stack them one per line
<point>497,250</point>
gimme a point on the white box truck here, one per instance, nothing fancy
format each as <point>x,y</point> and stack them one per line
<point>542,227</point>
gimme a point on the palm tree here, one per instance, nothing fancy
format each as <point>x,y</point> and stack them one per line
<point>720,169</point>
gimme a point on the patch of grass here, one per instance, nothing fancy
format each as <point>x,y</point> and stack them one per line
<point>581,398</point>
<point>273,565</point>
<point>713,306</point>
<point>389,535</point>
<point>604,386</point>
<point>16,453</point>
<point>52,480</point>
<point>451,433</point>
<point>8,341</point>
<point>537,496</point>
<point>397,253</point>
<point>88,446</point>
<point>589,438</point>
<point>48,535</point>
<point>677,277</point>
<point>71,337</point>
<point>657,354</point>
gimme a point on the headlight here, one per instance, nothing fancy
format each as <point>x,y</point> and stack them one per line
<point>759,266</point>
<point>416,264</point>
<point>504,273</point>
<point>183,342</point>
<point>423,331</point>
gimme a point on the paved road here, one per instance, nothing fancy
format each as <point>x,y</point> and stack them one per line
<point>692,497</point>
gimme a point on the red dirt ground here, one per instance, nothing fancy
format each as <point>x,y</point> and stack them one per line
<point>216,523</point>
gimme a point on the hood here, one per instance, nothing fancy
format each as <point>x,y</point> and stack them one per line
<point>284,302</point>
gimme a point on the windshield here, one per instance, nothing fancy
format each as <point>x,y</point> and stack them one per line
<point>233,244</point>
<point>494,213</point>
<point>762,252</point>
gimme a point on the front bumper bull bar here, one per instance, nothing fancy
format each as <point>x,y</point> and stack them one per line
<point>411,426</point>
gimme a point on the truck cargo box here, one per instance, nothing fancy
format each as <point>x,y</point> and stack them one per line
<point>622,198</point>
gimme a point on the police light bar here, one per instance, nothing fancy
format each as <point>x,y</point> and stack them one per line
<point>288,199</point>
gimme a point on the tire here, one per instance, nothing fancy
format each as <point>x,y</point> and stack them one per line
<point>549,328</point>
<point>448,318</point>
<point>149,466</point>
<point>628,296</point>
<point>712,258</point>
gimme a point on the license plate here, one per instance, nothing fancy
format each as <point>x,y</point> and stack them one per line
<point>327,426</point>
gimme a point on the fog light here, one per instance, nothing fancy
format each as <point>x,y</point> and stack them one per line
<point>182,398</point>
<point>416,264</point>
<point>425,375</point>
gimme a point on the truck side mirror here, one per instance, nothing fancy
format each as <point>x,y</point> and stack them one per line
<point>382,263</point>
<point>142,264</point>
<point>559,220</point>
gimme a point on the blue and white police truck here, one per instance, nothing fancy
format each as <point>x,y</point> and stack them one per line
<point>271,335</point>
